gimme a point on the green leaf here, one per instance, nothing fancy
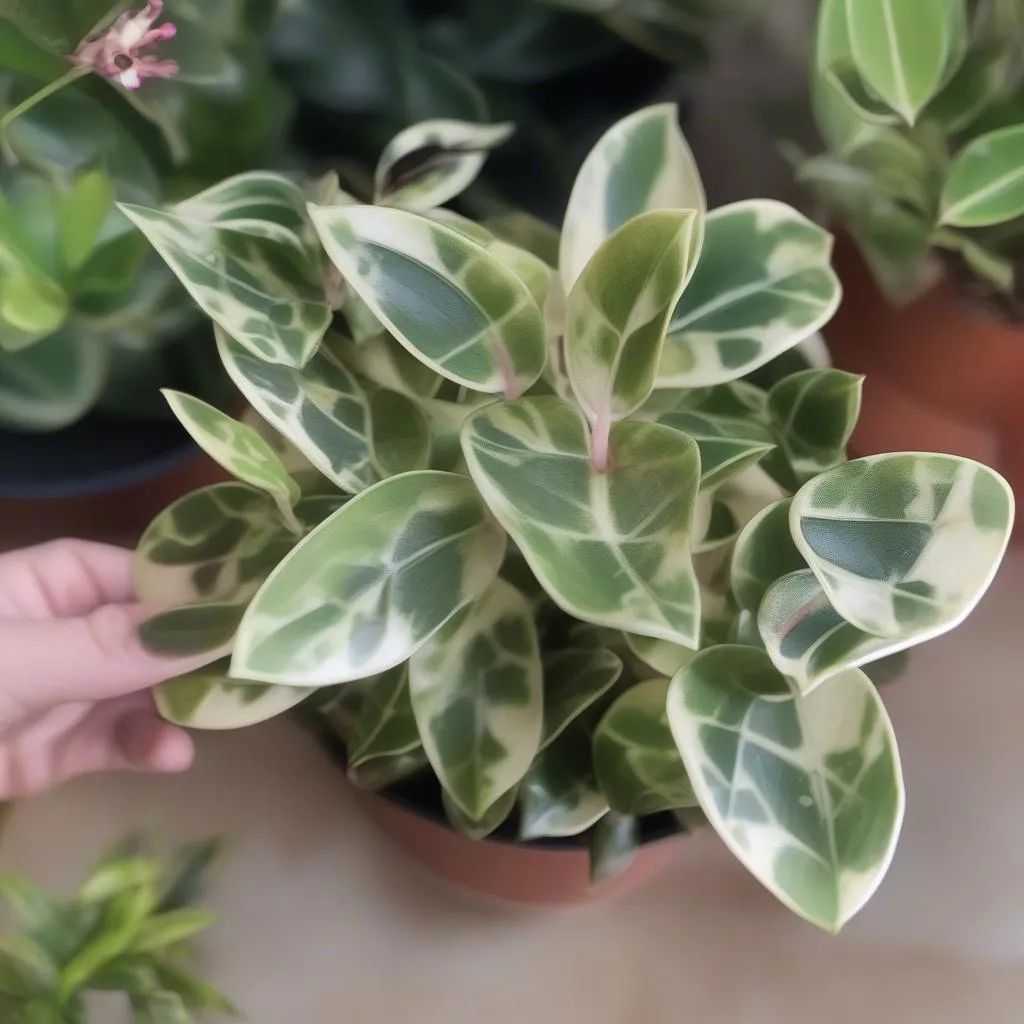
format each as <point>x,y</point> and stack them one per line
<point>160,1008</point>
<point>384,361</point>
<point>492,818</point>
<point>208,628</point>
<point>432,162</point>
<point>169,929</point>
<point>618,311</point>
<point>902,48</point>
<point>641,163</point>
<point>83,212</point>
<point>981,79</point>
<point>116,876</point>
<point>663,657</point>
<point>383,772</point>
<point>371,583</point>
<point>610,548</point>
<point>805,791</point>
<point>613,845</point>
<point>477,694</point>
<point>522,229</point>
<point>449,301</point>
<point>194,992</point>
<point>560,795</point>
<point>187,873</point>
<point>763,284</point>
<point>986,182</point>
<point>574,680</point>
<point>387,725</point>
<point>764,552</point>
<point>635,758</point>
<point>32,303</point>
<point>904,545</point>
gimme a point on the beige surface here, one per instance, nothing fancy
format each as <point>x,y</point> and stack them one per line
<point>323,922</point>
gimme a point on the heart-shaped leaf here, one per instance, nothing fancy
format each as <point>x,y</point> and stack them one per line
<point>642,163</point>
<point>431,162</point>
<point>449,301</point>
<point>371,583</point>
<point>762,285</point>
<point>764,552</point>
<point>618,311</point>
<point>575,680</point>
<point>477,694</point>
<point>635,757</point>
<point>986,182</point>
<point>806,791</point>
<point>610,548</point>
<point>387,726</point>
<point>904,545</point>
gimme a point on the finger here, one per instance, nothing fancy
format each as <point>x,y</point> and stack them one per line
<point>89,658</point>
<point>64,578</point>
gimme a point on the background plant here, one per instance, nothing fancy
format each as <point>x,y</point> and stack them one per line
<point>920,107</point>
<point>515,512</point>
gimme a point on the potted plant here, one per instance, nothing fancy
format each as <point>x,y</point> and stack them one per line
<point>921,108</point>
<point>553,577</point>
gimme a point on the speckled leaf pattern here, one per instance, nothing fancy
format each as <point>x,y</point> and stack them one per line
<point>371,583</point>
<point>985,185</point>
<point>238,448</point>
<point>765,551</point>
<point>663,657</point>
<point>209,698</point>
<point>610,548</point>
<point>477,694</point>
<point>642,163</point>
<point>354,434</point>
<point>618,311</point>
<point>263,289</point>
<point>635,758</point>
<point>482,827</point>
<point>443,296</point>
<point>560,795</point>
<point>904,545</point>
<point>763,284</point>
<point>430,163</point>
<point>575,680</point>
<point>806,791</point>
<point>387,727</point>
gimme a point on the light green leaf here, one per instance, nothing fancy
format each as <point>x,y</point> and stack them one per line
<point>663,657</point>
<point>764,552</point>
<point>986,182</point>
<point>238,448</point>
<point>371,583</point>
<point>449,301</point>
<point>560,796</point>
<point>383,772</point>
<point>530,269</point>
<point>610,548</point>
<point>477,694</point>
<point>613,845</point>
<point>32,303</point>
<point>356,435</point>
<point>387,726</point>
<point>763,284</point>
<point>492,818</point>
<point>82,213</point>
<point>384,361</point>
<point>904,545</point>
<point>902,48</point>
<point>635,758</point>
<point>575,680</point>
<point>432,162</point>
<point>641,163</point>
<point>310,480</point>
<point>169,929</point>
<point>618,311</point>
<point>527,232</point>
<point>258,283</point>
<point>807,792</point>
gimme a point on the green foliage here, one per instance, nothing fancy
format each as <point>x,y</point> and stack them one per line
<point>532,530</point>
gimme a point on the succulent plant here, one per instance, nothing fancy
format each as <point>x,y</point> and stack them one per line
<point>127,931</point>
<point>507,507</point>
<point>920,107</point>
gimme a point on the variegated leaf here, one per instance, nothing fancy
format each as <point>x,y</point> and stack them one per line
<point>477,694</point>
<point>449,301</point>
<point>522,229</point>
<point>371,584</point>
<point>613,845</point>
<point>445,421</point>
<point>530,269</point>
<point>904,545</point>
<point>193,629</point>
<point>209,698</point>
<point>262,289</point>
<point>764,552</point>
<point>575,680</point>
<point>238,448</point>
<point>806,791</point>
<point>560,796</point>
<point>762,285</point>
<point>431,162</point>
<point>387,363</point>
<point>610,548</point>
<point>385,772</point>
<point>986,182</point>
<point>309,479</point>
<point>355,435</point>
<point>618,310</point>
<point>641,163</point>
<point>665,658</point>
<point>387,726</point>
<point>635,758</point>
<point>482,827</point>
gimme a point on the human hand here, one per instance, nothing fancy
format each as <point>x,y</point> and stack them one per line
<point>73,674</point>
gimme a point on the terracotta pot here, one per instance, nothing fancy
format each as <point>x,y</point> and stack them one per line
<point>941,374</point>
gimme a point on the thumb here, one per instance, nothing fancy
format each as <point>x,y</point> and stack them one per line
<point>92,657</point>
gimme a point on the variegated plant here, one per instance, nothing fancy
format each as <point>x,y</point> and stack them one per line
<point>526,526</point>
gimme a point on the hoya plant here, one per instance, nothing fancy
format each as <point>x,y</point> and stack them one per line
<point>921,107</point>
<point>128,931</point>
<point>507,511</point>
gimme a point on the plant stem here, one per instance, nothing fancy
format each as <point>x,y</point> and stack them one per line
<point>26,105</point>
<point>600,441</point>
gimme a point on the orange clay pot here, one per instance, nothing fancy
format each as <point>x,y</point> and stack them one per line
<point>941,374</point>
<point>532,874</point>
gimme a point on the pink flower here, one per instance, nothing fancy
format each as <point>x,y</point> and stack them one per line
<point>117,54</point>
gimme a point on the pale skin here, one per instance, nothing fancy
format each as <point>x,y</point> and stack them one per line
<point>74,678</point>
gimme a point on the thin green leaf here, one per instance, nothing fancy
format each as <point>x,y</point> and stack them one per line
<point>986,182</point>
